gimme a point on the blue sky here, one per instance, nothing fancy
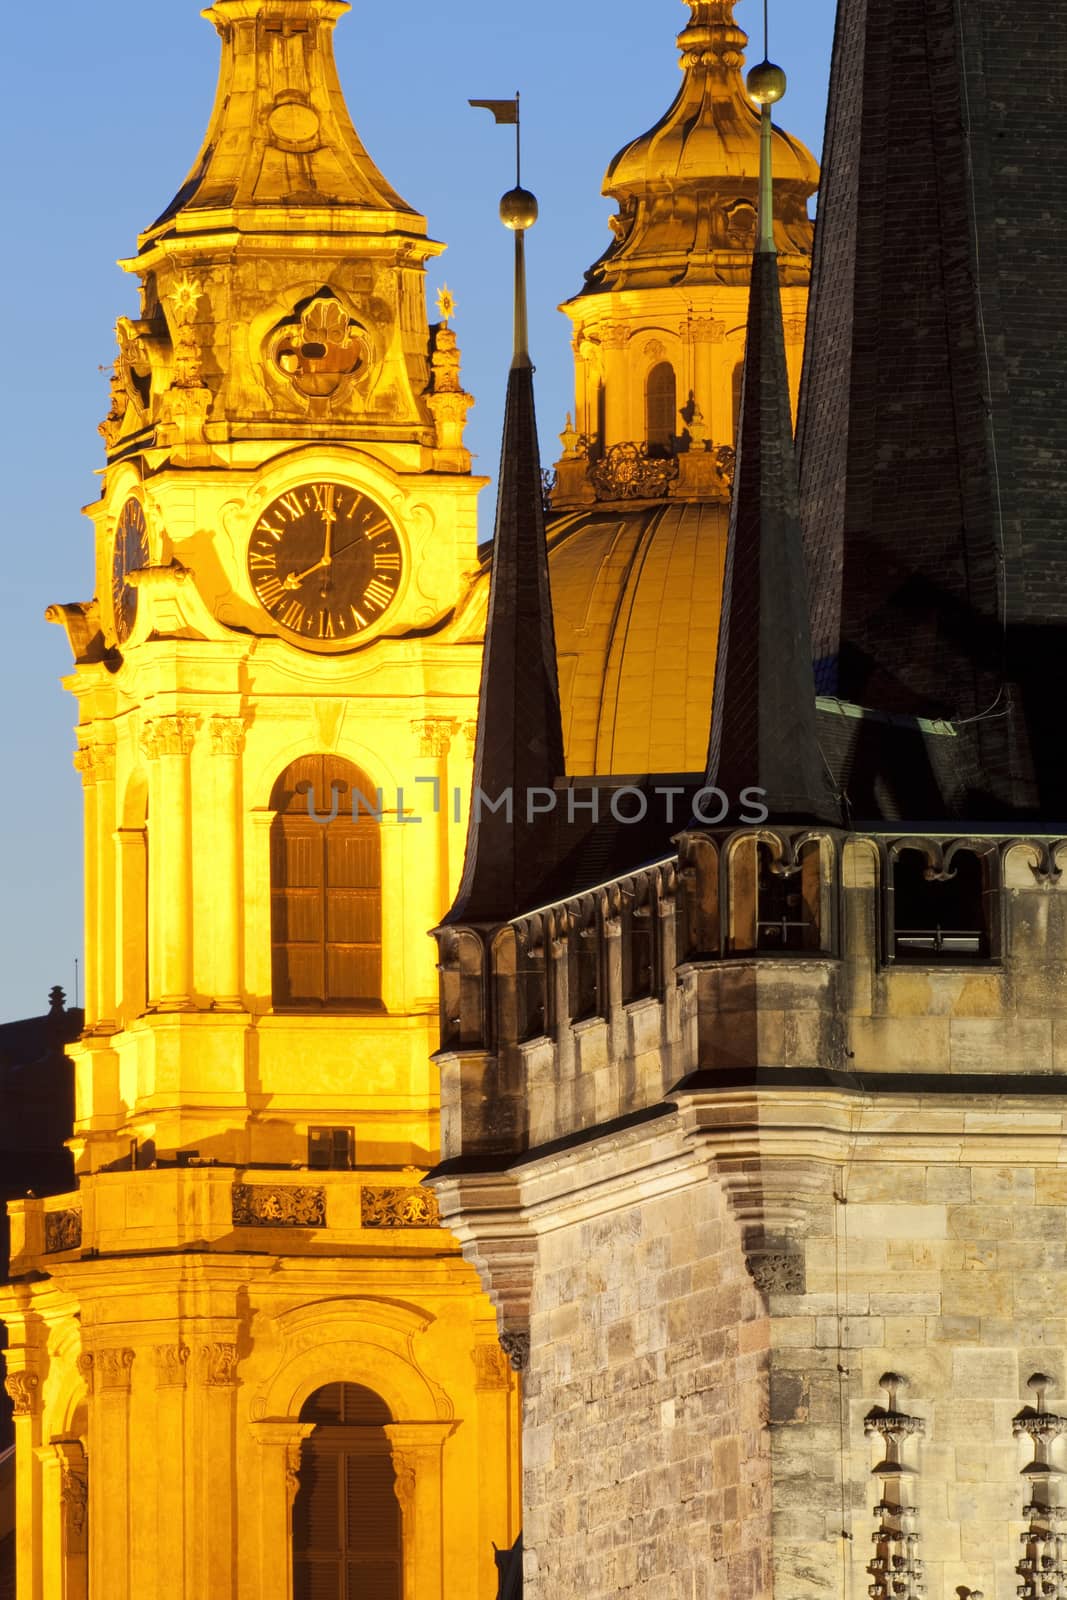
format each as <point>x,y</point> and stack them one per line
<point>104,108</point>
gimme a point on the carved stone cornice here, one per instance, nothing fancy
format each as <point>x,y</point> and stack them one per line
<point>227,735</point>
<point>24,1392</point>
<point>172,735</point>
<point>114,1368</point>
<point>171,1363</point>
<point>219,1362</point>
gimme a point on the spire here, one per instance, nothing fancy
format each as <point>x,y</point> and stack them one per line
<point>763,731</point>
<point>519,744</point>
<point>932,434</point>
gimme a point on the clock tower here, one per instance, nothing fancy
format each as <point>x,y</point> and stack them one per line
<point>246,1359</point>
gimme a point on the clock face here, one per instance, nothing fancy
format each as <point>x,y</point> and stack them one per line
<point>129,554</point>
<point>325,562</point>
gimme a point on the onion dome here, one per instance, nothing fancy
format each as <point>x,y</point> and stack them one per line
<point>687,189</point>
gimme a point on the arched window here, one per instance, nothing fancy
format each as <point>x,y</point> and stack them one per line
<point>661,409</point>
<point>347,1534</point>
<point>326,888</point>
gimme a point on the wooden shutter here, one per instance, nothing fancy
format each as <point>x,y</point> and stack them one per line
<point>326,889</point>
<point>347,1532</point>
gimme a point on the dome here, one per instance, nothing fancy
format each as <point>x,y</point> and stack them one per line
<point>687,189</point>
<point>636,597</point>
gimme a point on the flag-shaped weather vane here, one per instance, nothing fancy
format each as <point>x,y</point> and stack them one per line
<point>518,211</point>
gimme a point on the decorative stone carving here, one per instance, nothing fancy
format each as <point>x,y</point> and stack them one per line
<point>575,444</point>
<point>74,1493</point>
<point>169,736</point>
<point>171,1363</point>
<point>434,735</point>
<point>1043,1568</point>
<point>404,1481</point>
<point>470,734</point>
<point>725,463</point>
<point>490,1367</point>
<point>795,330</point>
<point>268,1205</point>
<point>227,735</point>
<point>220,1364</point>
<point>655,350</point>
<point>87,1367</point>
<point>292,1472</point>
<point>704,330</point>
<point>96,763</point>
<point>319,350</point>
<point>23,1388</point>
<point>114,1367</point>
<point>614,336</point>
<point>409,1207</point>
<point>895,1569</point>
<point>62,1230</point>
<point>516,1346</point>
<point>777,1271</point>
<point>628,472</point>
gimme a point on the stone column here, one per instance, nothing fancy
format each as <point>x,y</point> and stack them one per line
<point>279,1482</point>
<point>107,1374</point>
<point>434,735</point>
<point>168,742</point>
<point>83,762</point>
<point>618,424</point>
<point>417,1449</point>
<point>222,957</point>
<point>212,1568</point>
<point>24,1389</point>
<point>74,1521</point>
<point>495,1387</point>
<point>259,976</point>
<point>171,1530</point>
<point>131,871</point>
<point>706,332</point>
<point>105,931</point>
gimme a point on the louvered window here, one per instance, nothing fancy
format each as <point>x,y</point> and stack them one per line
<point>326,888</point>
<point>661,401</point>
<point>347,1539</point>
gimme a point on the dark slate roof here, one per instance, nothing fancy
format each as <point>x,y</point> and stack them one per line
<point>933,421</point>
<point>519,746</point>
<point>763,732</point>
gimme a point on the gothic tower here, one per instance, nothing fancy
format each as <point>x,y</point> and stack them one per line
<point>246,1359</point>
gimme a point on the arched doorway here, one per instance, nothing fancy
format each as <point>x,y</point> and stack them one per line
<point>347,1534</point>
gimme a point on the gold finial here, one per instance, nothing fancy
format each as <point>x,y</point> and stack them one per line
<point>766,84</point>
<point>446,304</point>
<point>518,210</point>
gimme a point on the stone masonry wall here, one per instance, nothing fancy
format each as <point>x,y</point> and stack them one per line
<point>647,1470</point>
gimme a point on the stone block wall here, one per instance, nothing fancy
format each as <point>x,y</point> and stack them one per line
<point>646,1458</point>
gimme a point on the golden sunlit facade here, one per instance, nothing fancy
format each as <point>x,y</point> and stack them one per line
<point>246,1326</point>
<point>642,488</point>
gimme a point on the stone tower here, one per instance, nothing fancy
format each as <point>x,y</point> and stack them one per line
<point>756,1130</point>
<point>246,1359</point>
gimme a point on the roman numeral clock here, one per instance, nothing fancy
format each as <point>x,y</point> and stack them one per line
<point>325,563</point>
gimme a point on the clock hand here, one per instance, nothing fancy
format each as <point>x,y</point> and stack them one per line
<point>295,579</point>
<point>329,517</point>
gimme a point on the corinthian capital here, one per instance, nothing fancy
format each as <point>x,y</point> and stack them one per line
<point>227,735</point>
<point>169,736</point>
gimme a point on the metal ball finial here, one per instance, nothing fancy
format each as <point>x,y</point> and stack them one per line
<point>518,210</point>
<point>766,83</point>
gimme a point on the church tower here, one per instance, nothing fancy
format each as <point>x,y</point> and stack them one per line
<point>246,1359</point>
<point>642,490</point>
